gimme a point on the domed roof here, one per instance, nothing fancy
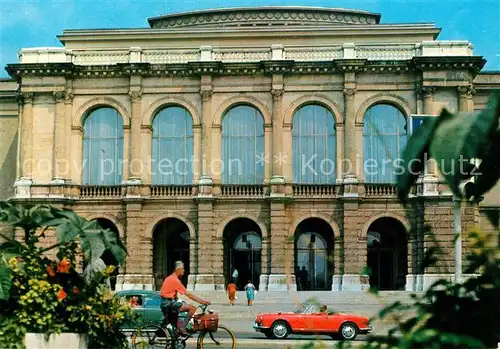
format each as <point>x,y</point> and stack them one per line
<point>264,16</point>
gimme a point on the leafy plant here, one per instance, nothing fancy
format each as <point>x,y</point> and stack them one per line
<point>464,314</point>
<point>50,296</point>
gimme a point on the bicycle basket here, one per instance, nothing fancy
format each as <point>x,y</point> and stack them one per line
<point>206,322</point>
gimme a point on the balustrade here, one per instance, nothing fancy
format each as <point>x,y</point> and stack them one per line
<point>315,190</point>
<point>239,190</point>
<point>102,191</point>
<point>382,189</point>
<point>169,191</point>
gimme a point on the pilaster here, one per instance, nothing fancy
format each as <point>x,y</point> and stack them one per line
<point>277,130</point>
<point>281,277</point>
<point>206,93</point>
<point>59,165</point>
<point>430,180</point>
<point>355,249</point>
<point>350,150</point>
<point>139,260</point>
<point>23,182</point>
<point>135,160</point>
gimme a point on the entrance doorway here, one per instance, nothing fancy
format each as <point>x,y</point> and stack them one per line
<point>314,255</point>
<point>242,252</point>
<point>387,254</point>
<point>170,244</point>
<point>107,257</point>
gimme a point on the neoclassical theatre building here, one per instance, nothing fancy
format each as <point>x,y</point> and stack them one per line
<point>258,139</point>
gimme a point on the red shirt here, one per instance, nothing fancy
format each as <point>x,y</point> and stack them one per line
<point>171,286</point>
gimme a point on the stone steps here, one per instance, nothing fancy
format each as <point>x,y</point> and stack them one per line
<point>318,296</point>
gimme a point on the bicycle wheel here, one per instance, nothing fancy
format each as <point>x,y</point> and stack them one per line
<point>151,336</point>
<point>223,338</point>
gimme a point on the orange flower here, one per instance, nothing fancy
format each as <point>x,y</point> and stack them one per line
<point>61,295</point>
<point>50,271</point>
<point>76,290</point>
<point>63,266</point>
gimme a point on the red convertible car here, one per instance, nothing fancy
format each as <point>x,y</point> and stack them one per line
<point>307,319</point>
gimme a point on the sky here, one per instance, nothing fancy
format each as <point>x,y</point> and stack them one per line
<point>36,23</point>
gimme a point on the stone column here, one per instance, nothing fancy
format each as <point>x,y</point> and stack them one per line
<point>268,154</point>
<point>350,165</point>
<point>282,276</point>
<point>146,153</point>
<point>59,168</point>
<point>139,264</point>
<point>430,181</point>
<point>288,156</point>
<point>216,165</point>
<point>23,183</point>
<point>68,146</point>
<point>135,163</point>
<point>340,132</point>
<point>197,152</point>
<point>206,136</point>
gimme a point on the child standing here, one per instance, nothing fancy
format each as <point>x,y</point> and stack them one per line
<point>231,292</point>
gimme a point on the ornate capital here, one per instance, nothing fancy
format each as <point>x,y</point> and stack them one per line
<point>466,91</point>
<point>68,97</point>
<point>277,94</point>
<point>26,97</point>
<point>426,92</point>
<point>349,92</point>
<point>135,96</point>
<point>206,95</point>
<point>59,96</point>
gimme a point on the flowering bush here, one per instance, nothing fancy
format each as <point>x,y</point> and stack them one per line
<point>50,296</point>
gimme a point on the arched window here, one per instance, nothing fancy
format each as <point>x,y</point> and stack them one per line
<point>313,143</point>
<point>172,149</point>
<point>103,147</point>
<point>384,138</point>
<point>243,146</point>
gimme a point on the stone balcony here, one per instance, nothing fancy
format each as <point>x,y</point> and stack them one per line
<point>396,51</point>
<point>219,192</point>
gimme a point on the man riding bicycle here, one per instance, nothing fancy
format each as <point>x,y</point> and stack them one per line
<point>171,288</point>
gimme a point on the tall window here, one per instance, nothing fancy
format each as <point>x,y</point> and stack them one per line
<point>243,146</point>
<point>172,158</point>
<point>313,143</point>
<point>384,137</point>
<point>103,147</point>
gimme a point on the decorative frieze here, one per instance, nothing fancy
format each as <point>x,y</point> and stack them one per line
<point>264,16</point>
<point>426,92</point>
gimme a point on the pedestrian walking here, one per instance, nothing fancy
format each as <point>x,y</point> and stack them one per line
<point>231,292</point>
<point>250,288</point>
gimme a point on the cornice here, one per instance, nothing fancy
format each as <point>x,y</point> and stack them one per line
<point>471,63</point>
<point>290,67</point>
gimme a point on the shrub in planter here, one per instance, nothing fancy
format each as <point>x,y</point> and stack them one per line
<point>49,296</point>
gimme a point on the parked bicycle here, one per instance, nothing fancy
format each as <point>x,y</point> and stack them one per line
<point>205,324</point>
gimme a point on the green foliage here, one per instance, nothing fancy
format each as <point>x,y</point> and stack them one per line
<point>41,295</point>
<point>453,141</point>
<point>465,314</point>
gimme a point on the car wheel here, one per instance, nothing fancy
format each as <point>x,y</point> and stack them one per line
<point>348,331</point>
<point>280,330</point>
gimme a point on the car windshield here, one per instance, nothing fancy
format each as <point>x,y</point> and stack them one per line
<point>302,309</point>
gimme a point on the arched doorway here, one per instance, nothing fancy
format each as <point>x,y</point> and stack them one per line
<point>314,244</point>
<point>242,240</point>
<point>107,257</point>
<point>387,254</point>
<point>170,244</point>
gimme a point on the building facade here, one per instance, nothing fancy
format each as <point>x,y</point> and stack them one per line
<point>258,139</point>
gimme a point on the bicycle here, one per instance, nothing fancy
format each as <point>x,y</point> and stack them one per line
<point>207,327</point>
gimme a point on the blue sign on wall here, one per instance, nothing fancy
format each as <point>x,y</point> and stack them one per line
<point>417,119</point>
